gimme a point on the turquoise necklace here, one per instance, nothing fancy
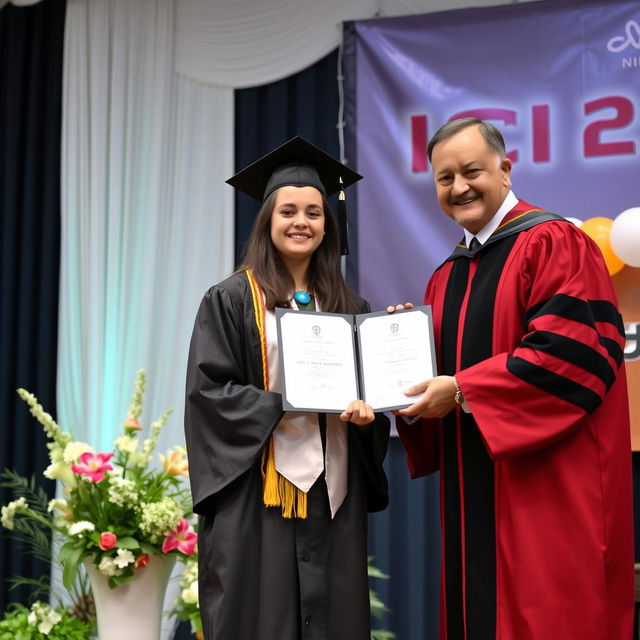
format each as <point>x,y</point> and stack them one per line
<point>302,297</point>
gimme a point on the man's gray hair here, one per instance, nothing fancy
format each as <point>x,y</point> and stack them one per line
<point>492,136</point>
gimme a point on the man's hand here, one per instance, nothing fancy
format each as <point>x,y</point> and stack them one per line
<point>438,398</point>
<point>358,412</point>
<point>399,307</point>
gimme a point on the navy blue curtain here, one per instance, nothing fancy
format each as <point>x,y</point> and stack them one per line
<point>404,539</point>
<point>31,46</point>
<point>304,104</point>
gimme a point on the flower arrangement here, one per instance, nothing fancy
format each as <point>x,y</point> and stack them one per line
<point>42,622</point>
<point>115,509</point>
<point>187,605</point>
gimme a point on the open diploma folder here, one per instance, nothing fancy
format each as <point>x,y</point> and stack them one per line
<point>329,359</point>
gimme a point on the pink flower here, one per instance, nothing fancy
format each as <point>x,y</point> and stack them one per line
<point>93,465</point>
<point>183,539</point>
<point>142,561</point>
<point>132,423</point>
<point>107,540</point>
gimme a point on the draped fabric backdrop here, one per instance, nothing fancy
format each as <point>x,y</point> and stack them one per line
<point>147,224</point>
<point>31,43</point>
<point>248,43</point>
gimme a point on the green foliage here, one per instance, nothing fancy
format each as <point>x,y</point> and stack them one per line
<point>33,536</point>
<point>378,608</point>
<point>15,626</point>
<point>379,634</point>
<point>187,602</point>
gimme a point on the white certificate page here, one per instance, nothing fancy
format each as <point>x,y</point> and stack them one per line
<point>396,352</point>
<point>317,361</point>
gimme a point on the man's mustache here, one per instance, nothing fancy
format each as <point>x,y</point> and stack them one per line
<point>467,195</point>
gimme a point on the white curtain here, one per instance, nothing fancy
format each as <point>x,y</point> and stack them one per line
<point>147,222</point>
<point>244,43</point>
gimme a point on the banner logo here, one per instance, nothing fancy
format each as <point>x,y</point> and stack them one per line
<point>631,38</point>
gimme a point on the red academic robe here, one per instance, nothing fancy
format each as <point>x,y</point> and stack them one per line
<point>536,481</point>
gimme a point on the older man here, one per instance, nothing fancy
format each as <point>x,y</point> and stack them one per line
<point>529,422</point>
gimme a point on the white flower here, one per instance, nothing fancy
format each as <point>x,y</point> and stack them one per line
<point>56,452</point>
<point>49,618</point>
<point>122,491</point>
<point>58,504</point>
<point>74,450</point>
<point>140,459</point>
<point>9,512</point>
<point>52,430</point>
<point>77,528</point>
<point>61,471</point>
<point>124,558</point>
<point>159,517</point>
<point>190,594</point>
<point>107,567</point>
<point>190,573</point>
<point>126,444</point>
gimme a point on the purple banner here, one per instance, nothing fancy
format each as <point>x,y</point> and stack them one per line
<point>561,80</point>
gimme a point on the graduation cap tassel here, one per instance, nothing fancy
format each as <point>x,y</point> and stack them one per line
<point>342,222</point>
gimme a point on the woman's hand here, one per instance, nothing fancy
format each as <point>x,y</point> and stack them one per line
<point>399,307</point>
<point>358,412</point>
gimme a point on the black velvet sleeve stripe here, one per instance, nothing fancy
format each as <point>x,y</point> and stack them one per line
<point>564,306</point>
<point>613,348</point>
<point>605,311</point>
<point>578,310</point>
<point>554,384</point>
<point>572,351</point>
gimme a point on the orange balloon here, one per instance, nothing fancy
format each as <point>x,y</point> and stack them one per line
<point>599,230</point>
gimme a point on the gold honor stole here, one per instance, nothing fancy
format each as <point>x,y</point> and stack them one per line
<point>277,491</point>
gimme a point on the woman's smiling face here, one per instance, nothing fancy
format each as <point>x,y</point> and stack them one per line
<point>297,222</point>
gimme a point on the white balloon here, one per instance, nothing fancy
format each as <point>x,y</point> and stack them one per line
<point>625,236</point>
<point>575,221</point>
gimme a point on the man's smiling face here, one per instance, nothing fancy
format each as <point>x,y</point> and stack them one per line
<point>472,180</point>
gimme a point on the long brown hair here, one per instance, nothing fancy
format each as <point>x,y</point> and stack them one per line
<point>324,278</point>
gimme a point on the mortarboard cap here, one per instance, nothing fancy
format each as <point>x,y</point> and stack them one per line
<point>298,163</point>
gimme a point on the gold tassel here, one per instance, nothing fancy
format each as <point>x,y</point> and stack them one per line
<point>271,496</point>
<point>278,491</point>
<point>302,504</point>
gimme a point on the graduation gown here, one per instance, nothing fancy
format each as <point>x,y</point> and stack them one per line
<point>261,576</point>
<point>536,480</point>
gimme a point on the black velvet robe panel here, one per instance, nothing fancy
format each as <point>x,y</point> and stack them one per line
<point>264,577</point>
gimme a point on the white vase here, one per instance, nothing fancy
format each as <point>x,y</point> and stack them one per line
<point>131,611</point>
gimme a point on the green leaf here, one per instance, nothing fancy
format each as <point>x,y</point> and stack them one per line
<point>70,567</point>
<point>379,634</point>
<point>128,542</point>
<point>147,548</point>
<point>67,550</point>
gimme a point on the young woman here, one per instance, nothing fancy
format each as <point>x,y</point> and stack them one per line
<point>282,497</point>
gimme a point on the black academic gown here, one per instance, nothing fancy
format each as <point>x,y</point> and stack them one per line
<point>264,577</point>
